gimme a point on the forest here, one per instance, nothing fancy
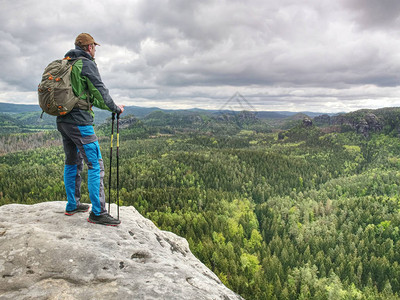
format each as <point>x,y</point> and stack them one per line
<point>277,208</point>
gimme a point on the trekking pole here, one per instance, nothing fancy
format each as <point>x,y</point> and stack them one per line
<point>118,164</point>
<point>111,148</point>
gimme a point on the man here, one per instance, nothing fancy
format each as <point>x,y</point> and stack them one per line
<point>79,139</point>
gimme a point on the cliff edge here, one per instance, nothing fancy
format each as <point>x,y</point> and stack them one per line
<point>47,255</point>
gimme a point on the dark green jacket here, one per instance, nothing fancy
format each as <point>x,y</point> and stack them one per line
<point>86,82</point>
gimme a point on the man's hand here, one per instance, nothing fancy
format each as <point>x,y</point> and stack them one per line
<point>121,107</point>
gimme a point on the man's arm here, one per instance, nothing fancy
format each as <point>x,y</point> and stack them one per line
<point>98,91</point>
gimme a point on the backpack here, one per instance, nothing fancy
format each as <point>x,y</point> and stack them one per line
<point>56,96</point>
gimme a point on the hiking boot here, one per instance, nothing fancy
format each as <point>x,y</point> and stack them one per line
<point>105,219</point>
<point>79,208</point>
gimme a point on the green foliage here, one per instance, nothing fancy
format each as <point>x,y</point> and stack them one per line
<point>25,122</point>
<point>311,216</point>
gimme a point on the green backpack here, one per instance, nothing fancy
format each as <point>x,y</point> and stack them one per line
<point>56,96</point>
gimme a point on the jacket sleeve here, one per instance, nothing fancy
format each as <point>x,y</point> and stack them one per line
<point>98,92</point>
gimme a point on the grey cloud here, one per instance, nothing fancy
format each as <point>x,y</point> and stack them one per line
<point>182,50</point>
<point>375,13</point>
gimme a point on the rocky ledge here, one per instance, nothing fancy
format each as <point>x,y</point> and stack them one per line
<point>47,255</point>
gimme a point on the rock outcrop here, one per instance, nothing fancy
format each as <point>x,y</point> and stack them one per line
<point>47,255</point>
<point>307,122</point>
<point>323,120</point>
<point>361,121</point>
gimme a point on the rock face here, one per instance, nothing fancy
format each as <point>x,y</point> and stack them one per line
<point>323,120</point>
<point>364,124</point>
<point>47,255</point>
<point>307,122</point>
<point>370,123</point>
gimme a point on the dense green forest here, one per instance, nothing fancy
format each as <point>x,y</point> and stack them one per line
<point>304,212</point>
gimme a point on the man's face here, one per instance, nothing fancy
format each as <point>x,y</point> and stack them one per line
<point>92,50</point>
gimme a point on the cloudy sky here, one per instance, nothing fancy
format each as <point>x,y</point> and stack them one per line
<point>292,55</point>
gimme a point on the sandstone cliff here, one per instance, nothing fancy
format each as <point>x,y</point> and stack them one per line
<point>364,121</point>
<point>47,255</point>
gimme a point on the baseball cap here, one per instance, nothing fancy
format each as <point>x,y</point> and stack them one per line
<point>85,39</point>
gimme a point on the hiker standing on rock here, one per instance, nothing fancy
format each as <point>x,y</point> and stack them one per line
<point>79,139</point>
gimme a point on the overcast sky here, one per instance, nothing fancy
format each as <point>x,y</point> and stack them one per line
<point>292,55</point>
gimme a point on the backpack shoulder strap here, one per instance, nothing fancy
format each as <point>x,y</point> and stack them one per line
<point>72,61</point>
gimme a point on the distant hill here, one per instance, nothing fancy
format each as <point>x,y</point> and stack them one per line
<point>141,112</point>
<point>18,108</point>
<point>23,108</point>
<point>26,118</point>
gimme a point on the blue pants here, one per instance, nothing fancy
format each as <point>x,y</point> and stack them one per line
<point>81,144</point>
